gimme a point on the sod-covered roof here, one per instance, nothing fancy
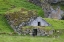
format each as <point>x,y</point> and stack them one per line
<point>20,16</point>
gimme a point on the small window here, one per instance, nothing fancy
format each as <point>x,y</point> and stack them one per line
<point>39,24</point>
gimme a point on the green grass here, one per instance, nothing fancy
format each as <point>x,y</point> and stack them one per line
<point>28,39</point>
<point>4,26</point>
<point>56,24</point>
<point>7,4</point>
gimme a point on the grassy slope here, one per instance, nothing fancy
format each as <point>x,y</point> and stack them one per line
<point>4,26</point>
<point>7,4</point>
<point>56,24</point>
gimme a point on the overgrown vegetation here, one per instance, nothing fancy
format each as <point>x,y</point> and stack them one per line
<point>21,16</point>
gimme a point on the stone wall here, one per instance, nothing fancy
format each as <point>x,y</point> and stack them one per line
<point>40,32</point>
<point>43,32</point>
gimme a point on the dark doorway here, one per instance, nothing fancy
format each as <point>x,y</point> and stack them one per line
<point>62,18</point>
<point>34,32</point>
<point>39,24</point>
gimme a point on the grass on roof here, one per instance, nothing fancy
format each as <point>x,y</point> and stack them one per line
<point>56,24</point>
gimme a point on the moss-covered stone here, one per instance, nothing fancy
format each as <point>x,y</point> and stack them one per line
<point>21,16</point>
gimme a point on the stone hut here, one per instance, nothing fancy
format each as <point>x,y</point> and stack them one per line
<point>23,18</point>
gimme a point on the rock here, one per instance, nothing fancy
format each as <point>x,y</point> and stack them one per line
<point>51,32</point>
<point>39,34</point>
<point>30,34</point>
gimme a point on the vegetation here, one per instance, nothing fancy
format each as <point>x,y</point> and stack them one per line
<point>56,24</point>
<point>6,5</point>
<point>15,5</point>
<point>28,39</point>
<point>4,26</point>
<point>20,16</point>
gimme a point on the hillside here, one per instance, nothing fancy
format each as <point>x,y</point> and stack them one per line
<point>6,5</point>
<point>4,26</point>
<point>13,5</point>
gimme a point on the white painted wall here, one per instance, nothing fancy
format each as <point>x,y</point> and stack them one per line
<point>38,19</point>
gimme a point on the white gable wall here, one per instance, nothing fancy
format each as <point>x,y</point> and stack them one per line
<point>38,19</point>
